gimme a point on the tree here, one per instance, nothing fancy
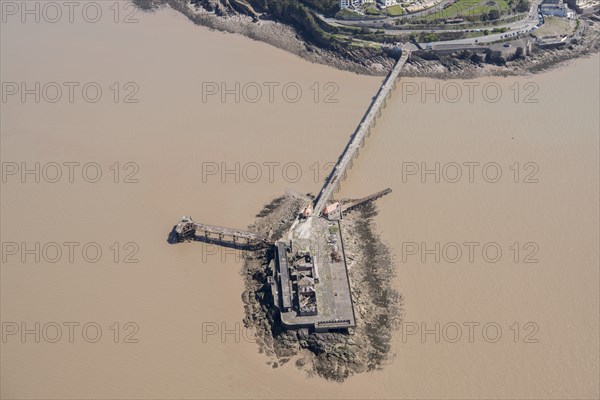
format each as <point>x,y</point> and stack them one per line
<point>475,59</point>
<point>523,5</point>
<point>428,37</point>
<point>494,14</point>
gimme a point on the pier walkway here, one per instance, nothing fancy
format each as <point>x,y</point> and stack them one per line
<point>188,228</point>
<point>357,139</point>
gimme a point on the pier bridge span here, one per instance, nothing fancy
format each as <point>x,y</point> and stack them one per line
<point>358,137</point>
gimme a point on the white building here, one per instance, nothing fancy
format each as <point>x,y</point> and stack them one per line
<point>353,3</point>
<point>556,8</point>
<point>387,3</point>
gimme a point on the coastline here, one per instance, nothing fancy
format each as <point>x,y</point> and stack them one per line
<point>367,62</point>
<point>278,35</point>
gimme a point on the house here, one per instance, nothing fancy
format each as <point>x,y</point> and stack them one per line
<point>332,211</point>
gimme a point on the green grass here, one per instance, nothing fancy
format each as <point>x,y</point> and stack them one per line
<point>364,43</point>
<point>455,9</point>
<point>372,11</point>
<point>465,8</point>
<point>555,26</point>
<point>500,5</point>
<point>345,13</point>
<point>394,11</point>
<point>339,36</point>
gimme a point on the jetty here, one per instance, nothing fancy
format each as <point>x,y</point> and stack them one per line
<point>187,230</point>
<point>357,203</point>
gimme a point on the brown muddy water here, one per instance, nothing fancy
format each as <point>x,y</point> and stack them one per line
<point>507,328</point>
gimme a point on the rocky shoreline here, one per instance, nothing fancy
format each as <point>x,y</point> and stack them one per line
<point>212,14</point>
<point>276,34</point>
<point>378,305</point>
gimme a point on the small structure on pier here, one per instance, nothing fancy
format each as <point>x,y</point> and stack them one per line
<point>332,211</point>
<point>306,211</point>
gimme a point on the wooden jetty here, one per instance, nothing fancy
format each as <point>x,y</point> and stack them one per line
<point>188,229</point>
<point>355,203</point>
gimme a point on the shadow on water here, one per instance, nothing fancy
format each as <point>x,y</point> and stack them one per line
<point>174,238</point>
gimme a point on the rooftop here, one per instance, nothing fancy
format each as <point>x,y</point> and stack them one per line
<point>327,279</point>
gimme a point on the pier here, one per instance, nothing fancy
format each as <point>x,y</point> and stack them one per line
<point>308,274</point>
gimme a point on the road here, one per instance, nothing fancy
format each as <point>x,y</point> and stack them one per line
<point>513,28</point>
<point>514,31</point>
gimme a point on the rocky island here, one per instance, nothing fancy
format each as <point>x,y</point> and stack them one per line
<point>334,354</point>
